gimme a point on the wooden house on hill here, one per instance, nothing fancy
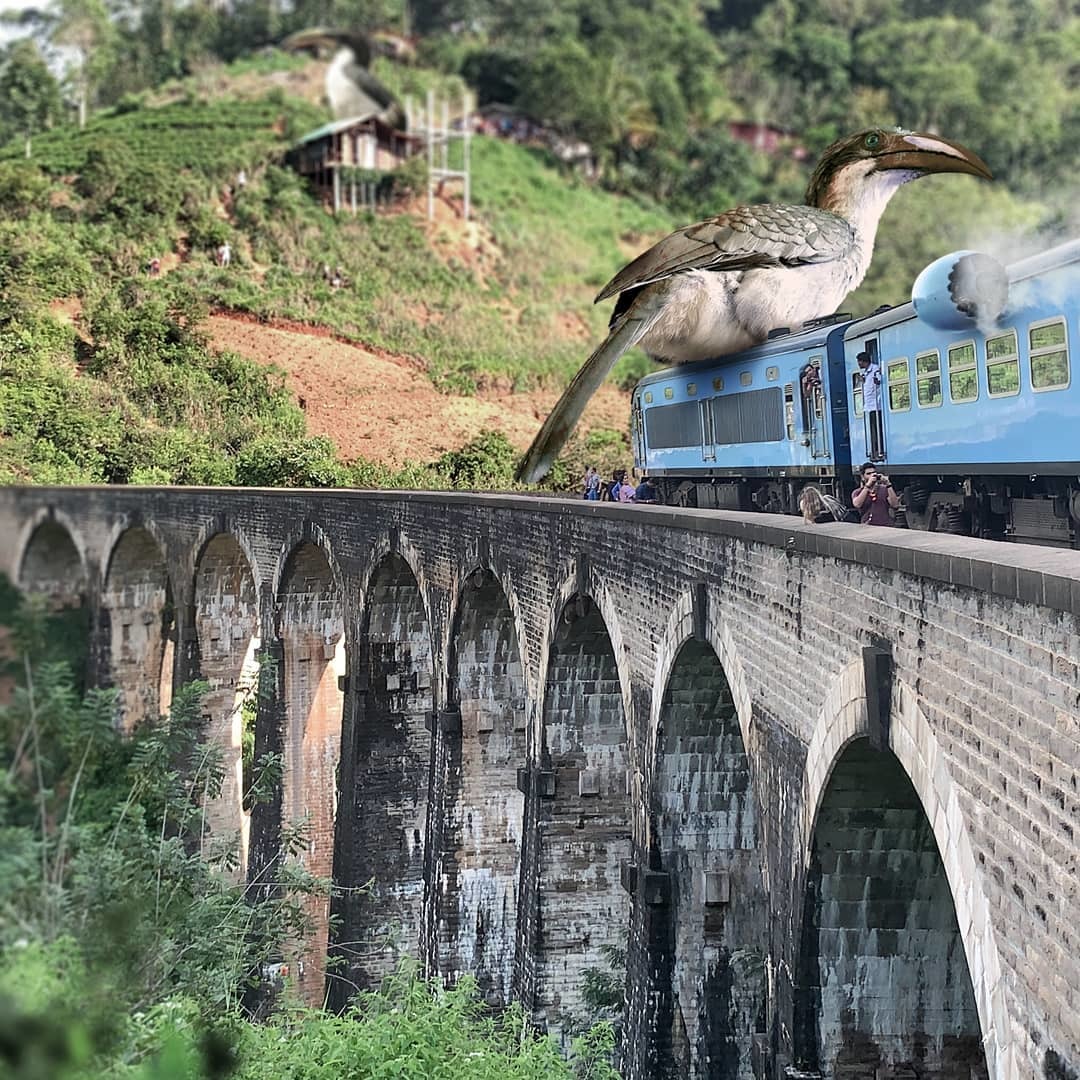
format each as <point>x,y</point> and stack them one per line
<point>334,156</point>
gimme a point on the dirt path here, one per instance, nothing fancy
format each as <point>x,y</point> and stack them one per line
<point>384,408</point>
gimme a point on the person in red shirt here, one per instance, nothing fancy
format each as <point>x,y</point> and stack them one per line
<point>875,499</point>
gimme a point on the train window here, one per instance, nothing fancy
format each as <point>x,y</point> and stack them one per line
<point>1049,355</point>
<point>928,378</point>
<point>746,377</point>
<point>718,382</point>
<point>899,378</point>
<point>648,397</point>
<point>669,393</point>
<point>691,389</point>
<point>856,393</point>
<point>963,374</point>
<point>1002,365</point>
<point>669,427</point>
<point>772,373</point>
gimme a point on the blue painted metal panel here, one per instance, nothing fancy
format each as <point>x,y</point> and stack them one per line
<point>778,366</point>
<point>1031,426</point>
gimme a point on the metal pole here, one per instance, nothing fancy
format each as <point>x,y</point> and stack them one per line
<point>466,128</point>
<point>430,155</point>
<point>446,134</point>
<point>337,190</point>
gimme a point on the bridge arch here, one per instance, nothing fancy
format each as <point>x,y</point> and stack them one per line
<point>585,824</point>
<point>704,836</point>
<point>943,881</point>
<point>496,568</point>
<point>383,830</point>
<point>52,563</point>
<point>310,632</point>
<point>228,525</point>
<point>137,621</point>
<point>484,731</point>
<point>227,628</point>
<point>308,532</point>
<point>52,559</point>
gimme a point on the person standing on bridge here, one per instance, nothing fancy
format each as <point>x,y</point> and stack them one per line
<point>871,399</point>
<point>875,499</point>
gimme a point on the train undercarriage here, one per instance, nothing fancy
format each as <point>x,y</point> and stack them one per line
<point>1028,510</point>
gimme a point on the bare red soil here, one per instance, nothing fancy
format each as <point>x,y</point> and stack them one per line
<point>383,407</point>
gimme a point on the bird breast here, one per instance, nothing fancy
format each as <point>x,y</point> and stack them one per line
<point>708,313</point>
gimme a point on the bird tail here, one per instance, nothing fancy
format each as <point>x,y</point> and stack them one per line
<point>561,421</point>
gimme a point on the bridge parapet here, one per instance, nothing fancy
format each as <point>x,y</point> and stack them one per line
<point>685,696</point>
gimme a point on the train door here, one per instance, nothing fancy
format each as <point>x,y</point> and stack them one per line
<point>868,392</point>
<point>814,406</point>
<point>708,431</point>
<point>637,432</point>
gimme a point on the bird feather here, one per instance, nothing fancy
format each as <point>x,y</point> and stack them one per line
<point>624,334</point>
<point>745,238</point>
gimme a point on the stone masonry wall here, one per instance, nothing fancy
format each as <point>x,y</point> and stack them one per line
<point>484,808</point>
<point>981,712</point>
<point>584,824</point>
<point>312,632</point>
<point>387,808</point>
<point>227,626</point>
<point>136,613</point>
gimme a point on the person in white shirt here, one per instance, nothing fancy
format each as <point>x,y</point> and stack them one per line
<point>871,397</point>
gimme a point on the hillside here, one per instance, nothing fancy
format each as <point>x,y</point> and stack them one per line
<point>445,332</point>
<point>383,407</point>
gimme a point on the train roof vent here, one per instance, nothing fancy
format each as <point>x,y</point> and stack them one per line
<point>827,320</point>
<point>778,331</point>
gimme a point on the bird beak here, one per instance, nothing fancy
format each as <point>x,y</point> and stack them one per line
<point>930,154</point>
<point>307,39</point>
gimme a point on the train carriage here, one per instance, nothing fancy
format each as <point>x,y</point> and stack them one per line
<point>749,430</point>
<point>980,415</point>
<point>979,407</point>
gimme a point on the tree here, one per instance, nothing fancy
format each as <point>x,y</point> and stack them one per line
<point>84,30</point>
<point>29,95</point>
<point>84,27</point>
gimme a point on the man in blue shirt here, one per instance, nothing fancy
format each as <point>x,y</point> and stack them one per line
<point>645,493</point>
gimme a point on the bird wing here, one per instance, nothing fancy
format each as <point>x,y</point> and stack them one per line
<point>625,333</point>
<point>740,239</point>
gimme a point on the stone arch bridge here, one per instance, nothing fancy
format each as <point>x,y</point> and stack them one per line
<point>817,785</point>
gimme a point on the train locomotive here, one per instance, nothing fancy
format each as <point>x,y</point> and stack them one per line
<point>979,426</point>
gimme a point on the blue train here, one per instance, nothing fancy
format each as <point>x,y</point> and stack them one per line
<point>980,420</point>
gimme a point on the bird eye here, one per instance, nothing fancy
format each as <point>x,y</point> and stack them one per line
<point>872,140</point>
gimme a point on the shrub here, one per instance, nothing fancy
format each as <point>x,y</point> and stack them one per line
<point>23,188</point>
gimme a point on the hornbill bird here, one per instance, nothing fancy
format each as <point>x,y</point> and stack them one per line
<point>721,285</point>
<point>351,89</point>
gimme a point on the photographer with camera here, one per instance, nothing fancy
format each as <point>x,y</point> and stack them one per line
<point>875,499</point>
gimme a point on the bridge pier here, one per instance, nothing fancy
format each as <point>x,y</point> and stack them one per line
<point>567,726</point>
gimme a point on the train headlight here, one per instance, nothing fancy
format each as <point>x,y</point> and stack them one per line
<point>960,290</point>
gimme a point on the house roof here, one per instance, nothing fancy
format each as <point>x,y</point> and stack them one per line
<point>337,126</point>
<point>334,127</point>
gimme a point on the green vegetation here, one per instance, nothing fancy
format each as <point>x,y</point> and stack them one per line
<point>212,139</point>
<point>128,951</point>
<point>136,395</point>
<point>133,393</point>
